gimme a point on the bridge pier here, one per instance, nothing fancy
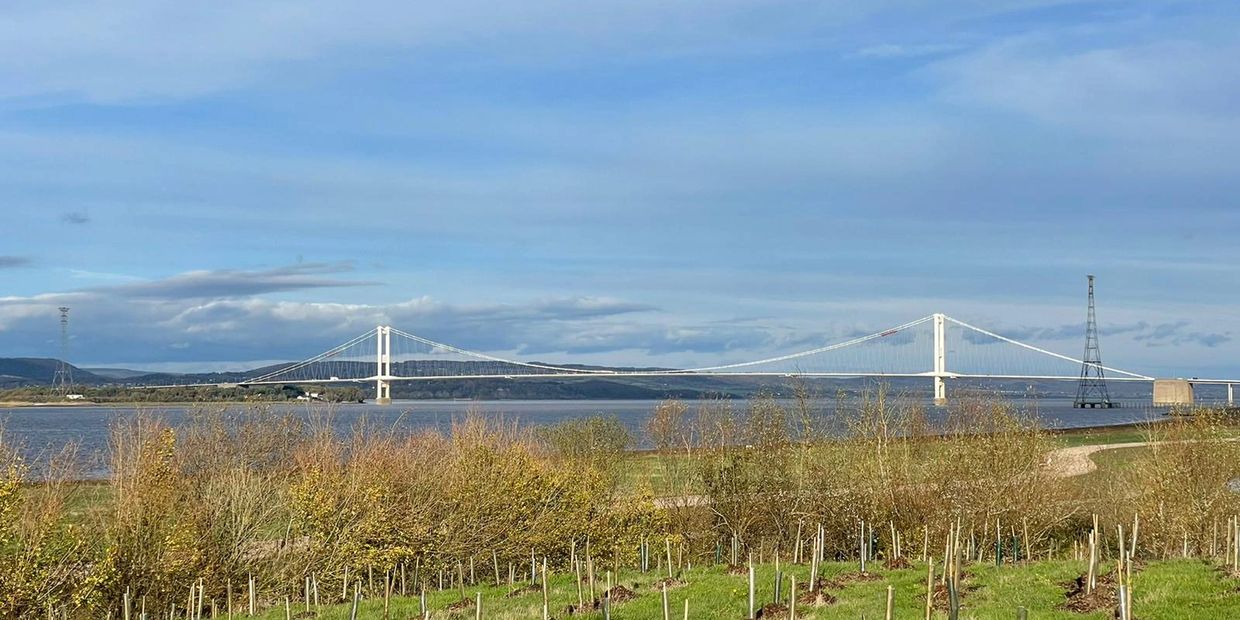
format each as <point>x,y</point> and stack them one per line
<point>940,361</point>
<point>1231,397</point>
<point>383,362</point>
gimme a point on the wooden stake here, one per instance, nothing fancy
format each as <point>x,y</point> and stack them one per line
<point>667,543</point>
<point>581,599</point>
<point>792,599</point>
<point>796,552</point>
<point>925,542</point>
<point>666,611</point>
<point>388,578</point>
<point>1024,523</point>
<point>590,574</point>
<point>751,590</point>
<point>546,602</point>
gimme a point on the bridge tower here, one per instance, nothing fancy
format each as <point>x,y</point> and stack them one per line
<point>940,361</point>
<point>1091,392</point>
<point>383,363</point>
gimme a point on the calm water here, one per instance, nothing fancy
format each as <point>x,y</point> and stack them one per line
<point>45,430</point>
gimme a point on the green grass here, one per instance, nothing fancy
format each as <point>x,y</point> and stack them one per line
<point>1097,436</point>
<point>86,500</point>
<point>1121,434</point>
<point>1110,464</point>
<point>643,470</point>
<point>1168,589</point>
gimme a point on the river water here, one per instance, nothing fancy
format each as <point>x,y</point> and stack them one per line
<point>41,431</point>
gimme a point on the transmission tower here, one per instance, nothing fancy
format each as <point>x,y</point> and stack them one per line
<point>62,382</point>
<point>1091,392</point>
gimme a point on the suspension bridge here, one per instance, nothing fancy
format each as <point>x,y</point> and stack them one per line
<point>937,347</point>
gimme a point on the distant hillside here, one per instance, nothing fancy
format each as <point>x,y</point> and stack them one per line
<point>21,371</point>
<point>117,373</point>
<point>27,372</point>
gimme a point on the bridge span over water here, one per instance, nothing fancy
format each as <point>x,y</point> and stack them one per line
<point>937,347</point>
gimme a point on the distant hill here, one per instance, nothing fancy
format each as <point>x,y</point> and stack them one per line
<point>26,372</point>
<point>21,371</point>
<point>117,373</point>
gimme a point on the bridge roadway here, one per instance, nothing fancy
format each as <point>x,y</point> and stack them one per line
<point>330,366</point>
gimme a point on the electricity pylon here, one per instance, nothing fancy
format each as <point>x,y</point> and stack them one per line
<point>1091,392</point>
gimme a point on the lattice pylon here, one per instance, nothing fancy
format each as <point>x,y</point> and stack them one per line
<point>1091,392</point>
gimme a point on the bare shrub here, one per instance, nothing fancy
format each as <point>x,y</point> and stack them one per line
<point>598,442</point>
<point>991,464</point>
<point>749,471</point>
<point>890,468</point>
<point>196,503</point>
<point>1179,486</point>
<point>45,560</point>
<point>488,491</point>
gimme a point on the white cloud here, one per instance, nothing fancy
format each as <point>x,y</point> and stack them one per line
<point>896,50</point>
<point>1140,91</point>
<point>147,50</point>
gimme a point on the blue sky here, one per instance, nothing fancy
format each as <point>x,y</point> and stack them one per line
<point>617,182</point>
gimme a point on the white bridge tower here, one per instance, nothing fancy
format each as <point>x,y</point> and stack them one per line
<point>383,371</point>
<point>940,360</point>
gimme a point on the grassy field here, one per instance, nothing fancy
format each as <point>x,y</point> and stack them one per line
<point>1098,436</point>
<point>1167,589</point>
<point>644,469</point>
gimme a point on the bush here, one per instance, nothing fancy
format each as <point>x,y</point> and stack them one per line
<point>1180,485</point>
<point>45,561</point>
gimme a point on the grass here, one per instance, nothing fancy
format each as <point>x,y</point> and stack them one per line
<point>87,499</point>
<point>1110,463</point>
<point>1119,434</point>
<point>1172,589</point>
<point>643,469</point>
<point>1098,436</point>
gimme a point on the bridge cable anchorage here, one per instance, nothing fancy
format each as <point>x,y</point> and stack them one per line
<point>784,358</point>
<point>492,358</point>
<point>271,376</point>
<point>1044,351</point>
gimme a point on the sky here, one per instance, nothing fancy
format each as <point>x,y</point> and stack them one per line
<point>680,183</point>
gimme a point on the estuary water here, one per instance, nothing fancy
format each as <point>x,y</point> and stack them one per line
<point>40,431</point>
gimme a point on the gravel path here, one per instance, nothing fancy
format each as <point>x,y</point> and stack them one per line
<point>1076,461</point>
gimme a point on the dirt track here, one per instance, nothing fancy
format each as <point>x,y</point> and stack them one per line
<point>1076,461</point>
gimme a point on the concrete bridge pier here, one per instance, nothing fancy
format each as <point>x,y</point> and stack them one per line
<point>1175,392</point>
